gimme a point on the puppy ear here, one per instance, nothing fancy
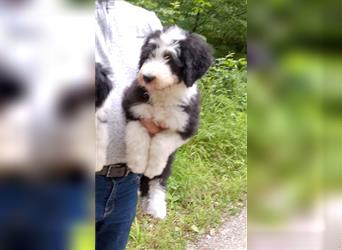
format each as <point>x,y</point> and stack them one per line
<point>148,47</point>
<point>197,57</point>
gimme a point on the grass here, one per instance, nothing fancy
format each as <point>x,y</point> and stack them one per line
<point>210,172</point>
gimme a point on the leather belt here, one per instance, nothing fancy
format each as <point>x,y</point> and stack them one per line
<point>114,170</point>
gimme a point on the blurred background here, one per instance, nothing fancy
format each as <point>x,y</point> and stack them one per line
<point>46,123</point>
<point>294,128</point>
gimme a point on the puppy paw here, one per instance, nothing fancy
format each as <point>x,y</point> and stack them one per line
<point>155,207</point>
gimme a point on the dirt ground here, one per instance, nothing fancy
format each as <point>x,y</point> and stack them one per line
<point>231,235</point>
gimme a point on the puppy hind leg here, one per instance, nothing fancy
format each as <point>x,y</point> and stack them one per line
<point>154,203</point>
<point>153,200</point>
<point>137,146</point>
<point>144,190</point>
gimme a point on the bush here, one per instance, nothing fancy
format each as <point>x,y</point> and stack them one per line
<point>222,22</point>
<point>228,77</point>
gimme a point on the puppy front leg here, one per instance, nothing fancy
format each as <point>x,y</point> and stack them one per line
<point>162,146</point>
<point>137,146</point>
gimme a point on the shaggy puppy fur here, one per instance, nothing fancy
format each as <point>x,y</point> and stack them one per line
<point>165,91</point>
<point>103,86</point>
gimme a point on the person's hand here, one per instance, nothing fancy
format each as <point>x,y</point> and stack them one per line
<point>151,127</point>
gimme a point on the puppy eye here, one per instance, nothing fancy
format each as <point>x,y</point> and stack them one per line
<point>167,56</point>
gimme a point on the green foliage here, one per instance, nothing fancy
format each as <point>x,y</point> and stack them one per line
<point>228,77</point>
<point>210,171</point>
<point>222,22</point>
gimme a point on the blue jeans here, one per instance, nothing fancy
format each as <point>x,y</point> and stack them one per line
<point>116,200</point>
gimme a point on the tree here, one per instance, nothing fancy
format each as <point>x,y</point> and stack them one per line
<point>222,22</point>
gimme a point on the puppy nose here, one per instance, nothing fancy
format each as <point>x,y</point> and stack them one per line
<point>148,78</point>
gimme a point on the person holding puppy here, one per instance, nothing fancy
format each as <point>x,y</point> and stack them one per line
<point>121,29</point>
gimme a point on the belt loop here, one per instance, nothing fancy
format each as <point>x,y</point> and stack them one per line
<point>127,171</point>
<point>109,170</point>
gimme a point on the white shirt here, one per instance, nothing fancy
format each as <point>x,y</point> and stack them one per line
<point>120,31</point>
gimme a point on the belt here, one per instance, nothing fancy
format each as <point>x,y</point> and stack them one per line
<point>114,170</point>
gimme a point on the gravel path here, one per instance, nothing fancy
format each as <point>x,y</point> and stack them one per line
<point>230,236</point>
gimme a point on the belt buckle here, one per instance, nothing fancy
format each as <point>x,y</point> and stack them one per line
<point>117,166</point>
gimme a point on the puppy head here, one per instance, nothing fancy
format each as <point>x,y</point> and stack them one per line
<point>171,57</point>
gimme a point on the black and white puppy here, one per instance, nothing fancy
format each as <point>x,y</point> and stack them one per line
<point>103,86</point>
<point>165,91</point>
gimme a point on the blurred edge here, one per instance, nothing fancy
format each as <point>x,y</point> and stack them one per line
<point>294,129</point>
<point>46,124</point>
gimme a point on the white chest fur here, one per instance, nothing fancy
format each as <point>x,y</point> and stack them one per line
<point>166,107</point>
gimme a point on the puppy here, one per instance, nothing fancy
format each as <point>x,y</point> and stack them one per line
<point>103,86</point>
<point>165,92</point>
